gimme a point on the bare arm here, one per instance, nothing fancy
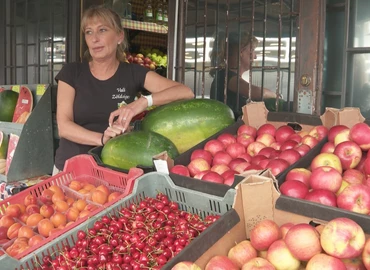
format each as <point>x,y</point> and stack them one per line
<point>244,89</point>
<point>163,91</point>
<point>67,128</point>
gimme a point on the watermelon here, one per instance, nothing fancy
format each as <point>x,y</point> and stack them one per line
<point>3,145</point>
<point>136,149</point>
<point>24,105</point>
<point>12,145</point>
<point>8,101</point>
<point>187,123</point>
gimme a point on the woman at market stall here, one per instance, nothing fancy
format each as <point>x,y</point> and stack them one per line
<point>97,98</point>
<point>239,53</point>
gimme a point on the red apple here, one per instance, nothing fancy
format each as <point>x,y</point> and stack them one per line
<point>280,256</point>
<point>186,265</point>
<point>319,132</point>
<point>324,261</point>
<point>300,174</point>
<point>334,130</point>
<point>277,166</point>
<point>220,168</point>
<point>276,145</point>
<point>360,165</point>
<point>213,146</point>
<point>244,139</point>
<point>328,147</point>
<point>290,155</point>
<point>220,262</point>
<point>254,148</point>
<point>295,137</point>
<point>264,233</point>
<point>359,134</point>
<point>354,263</point>
<point>258,263</point>
<point>355,198</point>
<point>349,154</point>
<point>294,188</point>
<point>266,128</point>
<point>256,159</point>
<point>213,177</point>
<point>235,149</point>
<point>201,153</point>
<point>282,133</point>
<point>274,154</point>
<point>200,174</point>
<point>180,169</point>
<point>303,149</point>
<point>366,167</point>
<point>228,177</point>
<point>266,139</point>
<point>342,136</point>
<point>263,163</point>
<point>235,162</point>
<point>198,165</point>
<point>366,254</point>
<point>226,138</point>
<point>242,167</point>
<point>249,130</point>
<point>353,176</point>
<point>266,151</point>
<point>289,144</point>
<point>326,159</point>
<point>342,238</point>
<point>221,157</point>
<point>303,241</point>
<point>310,141</point>
<point>253,167</point>
<point>246,157</point>
<point>241,253</point>
<point>327,178</point>
<point>322,196</point>
<point>285,228</point>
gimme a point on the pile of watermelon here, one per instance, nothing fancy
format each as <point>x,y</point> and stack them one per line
<point>15,107</point>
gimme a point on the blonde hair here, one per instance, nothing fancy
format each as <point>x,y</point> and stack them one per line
<point>112,19</point>
<point>218,53</point>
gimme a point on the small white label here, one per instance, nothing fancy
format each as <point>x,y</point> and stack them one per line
<point>24,101</point>
<point>161,166</point>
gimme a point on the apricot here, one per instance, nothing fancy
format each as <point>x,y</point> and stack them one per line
<point>91,207</point>
<point>88,187</point>
<point>70,201</point>
<point>114,195</point>
<point>80,204</point>
<point>58,219</point>
<point>69,224</point>
<point>75,185</point>
<point>72,214</point>
<point>103,188</point>
<point>44,227</point>
<point>20,240</point>
<point>34,240</point>
<point>46,210</point>
<point>13,210</point>
<point>99,197</point>
<point>57,197</point>
<point>6,221</point>
<point>46,196</point>
<point>13,230</point>
<point>61,206</point>
<point>32,209</point>
<point>26,231</point>
<point>22,207</point>
<point>34,219</point>
<point>84,213</point>
<point>30,199</point>
<point>24,218</point>
<point>56,189</point>
<point>53,231</point>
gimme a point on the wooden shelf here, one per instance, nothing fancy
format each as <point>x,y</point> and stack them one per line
<point>144,26</point>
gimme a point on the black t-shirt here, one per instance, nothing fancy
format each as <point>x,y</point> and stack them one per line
<point>96,99</point>
<point>217,92</point>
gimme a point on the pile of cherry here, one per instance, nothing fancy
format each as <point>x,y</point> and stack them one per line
<point>145,235</point>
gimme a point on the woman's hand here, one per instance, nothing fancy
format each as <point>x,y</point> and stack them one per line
<point>111,132</point>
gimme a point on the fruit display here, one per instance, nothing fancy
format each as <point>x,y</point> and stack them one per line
<point>338,176</point>
<point>150,58</point>
<point>266,147</point>
<point>339,244</point>
<point>187,123</point>
<point>144,235</point>
<point>136,148</point>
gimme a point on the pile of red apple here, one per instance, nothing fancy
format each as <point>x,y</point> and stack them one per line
<point>250,149</point>
<point>340,175</point>
<point>339,245</point>
<point>140,59</point>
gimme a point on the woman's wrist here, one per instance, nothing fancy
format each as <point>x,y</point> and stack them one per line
<point>102,140</point>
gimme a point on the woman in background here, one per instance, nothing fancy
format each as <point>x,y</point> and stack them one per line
<point>240,59</point>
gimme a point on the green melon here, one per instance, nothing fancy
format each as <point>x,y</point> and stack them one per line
<point>8,101</point>
<point>3,145</point>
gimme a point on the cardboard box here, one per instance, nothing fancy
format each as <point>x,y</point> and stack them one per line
<point>257,198</point>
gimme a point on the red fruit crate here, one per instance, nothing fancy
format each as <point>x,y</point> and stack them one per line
<point>81,165</point>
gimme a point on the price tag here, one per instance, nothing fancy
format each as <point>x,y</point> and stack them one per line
<point>16,88</point>
<point>161,166</point>
<point>40,89</point>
